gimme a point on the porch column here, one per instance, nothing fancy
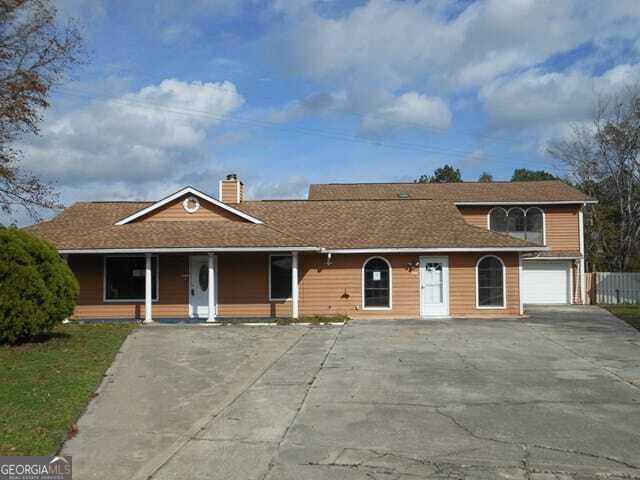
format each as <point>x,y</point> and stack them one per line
<point>65,257</point>
<point>148,295</point>
<point>294,285</point>
<point>211,295</point>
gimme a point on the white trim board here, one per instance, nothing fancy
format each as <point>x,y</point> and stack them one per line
<point>188,250</point>
<point>439,249</point>
<point>530,202</point>
<point>191,191</point>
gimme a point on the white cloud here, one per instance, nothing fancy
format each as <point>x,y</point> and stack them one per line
<point>145,136</point>
<point>391,44</point>
<point>536,98</point>
<point>410,110</point>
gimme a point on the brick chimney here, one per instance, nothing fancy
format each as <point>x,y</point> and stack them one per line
<point>231,189</point>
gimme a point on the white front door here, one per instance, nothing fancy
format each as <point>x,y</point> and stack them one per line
<point>434,286</point>
<point>198,286</point>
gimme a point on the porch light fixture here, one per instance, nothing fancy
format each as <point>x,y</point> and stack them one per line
<point>191,204</point>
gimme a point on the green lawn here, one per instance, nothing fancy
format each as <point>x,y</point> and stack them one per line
<point>45,385</point>
<point>628,313</point>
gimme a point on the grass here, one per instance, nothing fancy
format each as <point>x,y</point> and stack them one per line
<point>313,319</point>
<point>46,384</point>
<point>628,313</point>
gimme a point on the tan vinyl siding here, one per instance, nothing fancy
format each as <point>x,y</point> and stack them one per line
<point>462,286</point>
<point>174,212</point>
<point>476,216</point>
<point>561,224</point>
<point>326,290</point>
<point>229,191</point>
<point>243,283</point>
<point>244,287</point>
<point>563,227</point>
<point>337,289</point>
<point>172,300</point>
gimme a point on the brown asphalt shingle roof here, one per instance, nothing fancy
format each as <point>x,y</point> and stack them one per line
<point>359,224</point>
<point>377,224</point>
<point>531,192</point>
<point>91,225</point>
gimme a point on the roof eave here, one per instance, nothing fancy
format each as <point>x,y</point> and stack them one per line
<point>436,249</point>
<point>530,202</point>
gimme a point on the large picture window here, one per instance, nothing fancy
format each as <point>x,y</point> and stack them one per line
<point>519,223</point>
<point>280,277</point>
<point>376,283</point>
<point>124,278</point>
<point>490,282</point>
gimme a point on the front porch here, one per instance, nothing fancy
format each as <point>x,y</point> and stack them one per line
<point>194,286</point>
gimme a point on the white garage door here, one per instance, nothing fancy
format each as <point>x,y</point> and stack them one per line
<point>546,281</point>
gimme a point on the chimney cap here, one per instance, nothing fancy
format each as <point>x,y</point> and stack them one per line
<point>232,176</point>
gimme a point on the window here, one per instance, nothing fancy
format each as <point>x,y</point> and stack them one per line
<point>124,278</point>
<point>490,282</point>
<point>376,283</point>
<point>498,220</point>
<point>279,277</point>
<point>524,224</point>
<point>535,225</point>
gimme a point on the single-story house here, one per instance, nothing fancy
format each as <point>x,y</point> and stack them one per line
<point>388,250</point>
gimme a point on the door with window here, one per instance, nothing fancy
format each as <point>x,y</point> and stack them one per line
<point>199,286</point>
<point>434,286</point>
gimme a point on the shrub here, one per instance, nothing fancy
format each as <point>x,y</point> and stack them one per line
<point>37,288</point>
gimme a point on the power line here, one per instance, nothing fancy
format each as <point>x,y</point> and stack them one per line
<point>273,125</point>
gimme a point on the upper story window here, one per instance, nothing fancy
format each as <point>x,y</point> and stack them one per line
<point>526,224</point>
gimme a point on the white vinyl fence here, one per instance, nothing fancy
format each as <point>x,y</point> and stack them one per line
<point>615,288</point>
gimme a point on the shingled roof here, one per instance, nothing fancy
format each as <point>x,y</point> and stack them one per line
<point>301,224</point>
<point>464,192</point>
<point>92,225</point>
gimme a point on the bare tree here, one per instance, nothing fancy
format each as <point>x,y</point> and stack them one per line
<point>35,53</point>
<point>604,159</point>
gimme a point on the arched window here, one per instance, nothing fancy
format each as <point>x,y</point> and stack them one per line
<point>376,283</point>
<point>524,224</point>
<point>490,282</point>
<point>498,220</point>
<point>535,225</point>
<point>516,222</point>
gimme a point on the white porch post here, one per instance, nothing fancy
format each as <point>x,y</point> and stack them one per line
<point>583,283</point>
<point>148,278</point>
<point>211,295</point>
<point>294,285</point>
<point>65,257</point>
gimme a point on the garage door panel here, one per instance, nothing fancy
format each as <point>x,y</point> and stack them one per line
<point>546,282</point>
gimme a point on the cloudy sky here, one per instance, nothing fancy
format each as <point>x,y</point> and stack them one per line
<point>288,92</point>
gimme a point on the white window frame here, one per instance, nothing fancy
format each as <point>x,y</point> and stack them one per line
<point>504,285</point>
<point>119,300</point>
<point>271,299</point>
<point>364,264</point>
<point>526,211</point>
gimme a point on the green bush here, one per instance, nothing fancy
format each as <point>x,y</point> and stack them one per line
<point>37,288</point>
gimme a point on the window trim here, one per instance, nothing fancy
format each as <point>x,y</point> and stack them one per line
<point>504,285</point>
<point>362,296</point>
<point>271,299</point>
<point>131,255</point>
<point>526,211</point>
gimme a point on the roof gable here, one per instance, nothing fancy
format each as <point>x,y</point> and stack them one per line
<point>148,210</point>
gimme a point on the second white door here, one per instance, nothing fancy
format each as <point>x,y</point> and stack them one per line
<point>434,286</point>
<point>199,286</point>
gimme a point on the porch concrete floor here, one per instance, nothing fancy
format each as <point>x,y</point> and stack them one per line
<point>553,396</point>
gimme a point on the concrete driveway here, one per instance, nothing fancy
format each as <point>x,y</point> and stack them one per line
<point>553,396</point>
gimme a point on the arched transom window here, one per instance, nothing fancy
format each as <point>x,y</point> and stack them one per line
<point>490,282</point>
<point>519,223</point>
<point>376,283</point>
